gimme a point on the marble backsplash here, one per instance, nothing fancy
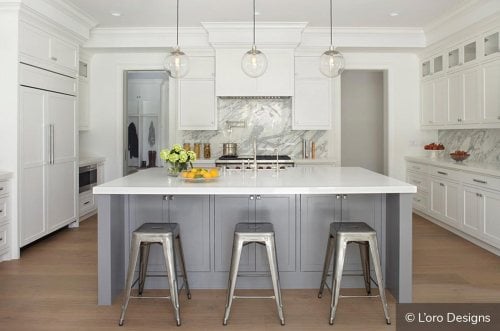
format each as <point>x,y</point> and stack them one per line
<point>483,145</point>
<point>267,120</point>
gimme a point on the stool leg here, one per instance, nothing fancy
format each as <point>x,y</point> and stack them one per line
<point>273,267</point>
<point>328,259</point>
<point>337,276</point>
<point>143,265</point>
<point>364,253</point>
<point>169,253</point>
<point>183,266</point>
<point>233,275</point>
<point>378,272</point>
<point>132,261</point>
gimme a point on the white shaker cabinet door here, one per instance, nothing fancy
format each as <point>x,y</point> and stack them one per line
<point>472,96</point>
<point>197,105</point>
<point>441,103</point>
<point>491,219</point>
<point>491,85</point>
<point>61,188</point>
<point>33,105</point>
<point>427,103</point>
<point>456,97</point>
<point>312,104</point>
<point>472,199</point>
<point>61,115</point>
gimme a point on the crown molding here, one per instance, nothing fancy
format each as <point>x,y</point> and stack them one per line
<point>469,13</point>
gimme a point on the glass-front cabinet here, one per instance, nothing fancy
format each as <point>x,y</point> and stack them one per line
<point>491,44</point>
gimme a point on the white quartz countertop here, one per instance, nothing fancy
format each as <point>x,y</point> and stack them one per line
<point>482,168</point>
<point>90,159</point>
<point>299,180</point>
<point>5,175</point>
<point>315,162</point>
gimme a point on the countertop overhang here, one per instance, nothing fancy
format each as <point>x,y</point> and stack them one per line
<point>299,180</point>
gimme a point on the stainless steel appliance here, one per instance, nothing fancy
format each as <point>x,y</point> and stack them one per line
<point>87,177</point>
<point>263,162</point>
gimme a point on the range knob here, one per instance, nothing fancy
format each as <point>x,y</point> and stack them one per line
<point>238,168</point>
<point>268,167</point>
<point>260,168</point>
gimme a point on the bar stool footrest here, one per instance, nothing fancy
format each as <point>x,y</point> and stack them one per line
<point>253,297</point>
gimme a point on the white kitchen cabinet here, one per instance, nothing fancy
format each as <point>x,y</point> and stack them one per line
<point>444,200</point>
<point>48,162</point>
<point>456,98</point>
<point>473,210</point>
<point>491,86</point>
<point>45,50</point>
<point>464,97</point>
<point>5,215</point>
<point>197,108</point>
<point>491,220</point>
<point>427,103</point>
<point>276,81</point>
<point>441,101</point>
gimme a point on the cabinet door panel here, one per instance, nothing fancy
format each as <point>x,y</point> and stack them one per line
<point>456,98</point>
<point>31,209</point>
<point>61,190</point>
<point>472,93</point>
<point>33,141</point>
<point>312,104</point>
<point>197,109</point>
<point>316,214</point>
<point>427,103</point>
<point>61,114</point>
<point>453,208</point>
<point>193,215</point>
<point>34,42</point>
<point>230,210</point>
<point>438,197</point>
<point>441,103</point>
<point>471,214</point>
<point>62,53</point>
<point>491,85</point>
<point>280,211</point>
<point>491,210</point>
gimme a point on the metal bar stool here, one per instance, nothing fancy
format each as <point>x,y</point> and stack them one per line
<point>341,234</point>
<point>167,235</point>
<point>263,234</point>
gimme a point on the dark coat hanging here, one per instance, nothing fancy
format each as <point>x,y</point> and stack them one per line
<point>133,141</point>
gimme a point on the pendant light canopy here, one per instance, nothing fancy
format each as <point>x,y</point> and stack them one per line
<point>332,62</point>
<point>177,62</point>
<point>254,62</point>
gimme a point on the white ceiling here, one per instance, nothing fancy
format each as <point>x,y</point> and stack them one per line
<point>347,13</point>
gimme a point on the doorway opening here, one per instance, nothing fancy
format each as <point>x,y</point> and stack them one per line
<point>146,118</point>
<point>364,120</point>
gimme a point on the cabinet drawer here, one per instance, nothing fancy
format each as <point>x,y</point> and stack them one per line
<point>4,238</point>
<point>4,188</point>
<point>416,167</point>
<point>488,182</point>
<point>87,202</point>
<point>445,173</point>
<point>4,209</point>
<point>43,79</point>
<point>420,201</point>
<point>419,180</point>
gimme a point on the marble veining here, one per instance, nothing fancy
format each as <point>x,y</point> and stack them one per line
<point>482,145</point>
<point>267,120</point>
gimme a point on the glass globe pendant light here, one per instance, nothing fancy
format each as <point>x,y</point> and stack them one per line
<point>332,62</point>
<point>177,62</point>
<point>254,62</point>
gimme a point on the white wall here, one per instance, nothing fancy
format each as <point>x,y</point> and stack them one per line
<point>403,104</point>
<point>8,109</point>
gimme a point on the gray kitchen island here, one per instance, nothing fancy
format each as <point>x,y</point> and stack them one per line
<point>300,202</point>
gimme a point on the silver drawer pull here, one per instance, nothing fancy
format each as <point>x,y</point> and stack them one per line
<point>479,195</point>
<point>441,184</point>
<point>53,58</point>
<point>86,203</point>
<point>1,188</point>
<point>1,211</point>
<point>480,181</point>
<point>1,239</point>
<point>442,173</point>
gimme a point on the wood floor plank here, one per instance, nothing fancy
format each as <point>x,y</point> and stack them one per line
<point>54,287</point>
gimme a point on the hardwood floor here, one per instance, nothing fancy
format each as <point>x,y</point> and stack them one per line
<point>54,287</point>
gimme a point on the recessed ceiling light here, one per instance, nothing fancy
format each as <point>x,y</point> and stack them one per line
<point>116,14</point>
<point>394,14</point>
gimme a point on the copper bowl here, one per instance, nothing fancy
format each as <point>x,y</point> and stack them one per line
<point>459,157</point>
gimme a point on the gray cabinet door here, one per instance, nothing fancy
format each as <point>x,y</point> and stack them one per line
<point>192,212</point>
<point>230,210</point>
<point>280,211</point>
<point>316,214</point>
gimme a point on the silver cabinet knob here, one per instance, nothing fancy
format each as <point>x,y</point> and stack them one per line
<point>53,58</point>
<point>344,196</point>
<point>258,197</point>
<point>251,197</point>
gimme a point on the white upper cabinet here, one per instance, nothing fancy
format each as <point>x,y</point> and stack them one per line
<point>427,103</point>
<point>491,84</point>
<point>197,104</point>
<point>42,49</point>
<point>313,99</point>
<point>441,102</point>
<point>276,81</point>
<point>472,96</point>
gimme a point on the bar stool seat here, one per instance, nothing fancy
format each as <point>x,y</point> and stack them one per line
<point>341,234</point>
<point>260,233</point>
<point>167,235</point>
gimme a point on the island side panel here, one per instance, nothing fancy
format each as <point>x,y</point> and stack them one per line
<point>399,246</point>
<point>111,263</point>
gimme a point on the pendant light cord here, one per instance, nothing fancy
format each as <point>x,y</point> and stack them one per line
<point>331,23</point>
<point>253,22</point>
<point>177,23</point>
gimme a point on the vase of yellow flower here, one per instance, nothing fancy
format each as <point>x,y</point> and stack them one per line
<point>177,159</point>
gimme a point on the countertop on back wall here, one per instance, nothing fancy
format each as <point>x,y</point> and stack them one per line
<point>86,160</point>
<point>483,168</point>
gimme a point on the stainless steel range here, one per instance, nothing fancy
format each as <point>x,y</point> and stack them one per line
<point>262,161</point>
